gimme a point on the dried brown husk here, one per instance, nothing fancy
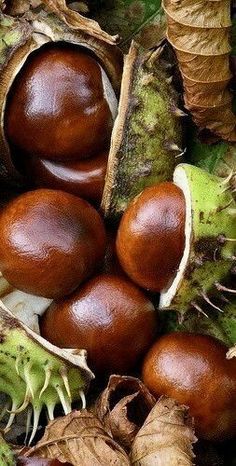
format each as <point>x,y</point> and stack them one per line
<point>80,439</point>
<point>21,36</point>
<point>199,31</point>
<point>166,437</point>
<point>123,407</point>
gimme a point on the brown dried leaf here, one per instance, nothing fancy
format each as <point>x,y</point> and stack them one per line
<point>80,439</point>
<point>166,437</point>
<point>78,22</point>
<point>123,407</point>
<point>200,31</point>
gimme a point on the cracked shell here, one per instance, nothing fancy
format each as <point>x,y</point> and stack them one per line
<point>52,21</point>
<point>209,239</point>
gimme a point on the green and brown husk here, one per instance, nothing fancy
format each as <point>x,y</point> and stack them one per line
<point>147,136</point>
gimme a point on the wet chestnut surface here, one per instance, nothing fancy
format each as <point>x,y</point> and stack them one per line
<point>193,370</point>
<point>150,239</point>
<point>84,178</point>
<point>109,317</point>
<point>56,109</point>
<point>50,242</point>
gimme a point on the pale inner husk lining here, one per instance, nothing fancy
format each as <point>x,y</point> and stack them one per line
<point>181,180</point>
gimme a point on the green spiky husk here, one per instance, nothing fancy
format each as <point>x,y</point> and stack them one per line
<point>19,37</point>
<point>6,455</point>
<point>34,373</point>
<point>147,134</point>
<point>221,325</point>
<point>210,221</point>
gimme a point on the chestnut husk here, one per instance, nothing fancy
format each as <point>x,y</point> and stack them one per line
<point>147,137</point>
<point>21,35</point>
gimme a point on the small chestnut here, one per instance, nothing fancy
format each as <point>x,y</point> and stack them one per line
<point>150,239</point>
<point>56,108</point>
<point>51,241</point>
<point>84,178</point>
<point>109,317</point>
<point>35,461</point>
<point>193,370</point>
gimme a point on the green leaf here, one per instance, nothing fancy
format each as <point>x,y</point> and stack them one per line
<point>218,158</point>
<point>143,20</point>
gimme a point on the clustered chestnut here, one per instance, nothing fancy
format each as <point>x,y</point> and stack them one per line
<point>57,115</point>
<point>51,241</point>
<point>193,370</point>
<point>109,317</point>
<point>150,240</point>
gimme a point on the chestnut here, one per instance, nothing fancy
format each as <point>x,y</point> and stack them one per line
<point>193,370</point>
<point>35,461</point>
<point>57,108</point>
<point>51,241</point>
<point>109,317</point>
<point>84,178</point>
<point>150,239</point>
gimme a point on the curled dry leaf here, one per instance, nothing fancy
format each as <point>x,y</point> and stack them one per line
<point>200,34</point>
<point>166,437</point>
<point>123,407</point>
<point>80,439</point>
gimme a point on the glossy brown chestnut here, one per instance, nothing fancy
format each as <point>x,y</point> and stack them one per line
<point>50,242</point>
<point>84,178</point>
<point>109,317</point>
<point>56,109</point>
<point>193,369</point>
<point>22,461</point>
<point>150,239</point>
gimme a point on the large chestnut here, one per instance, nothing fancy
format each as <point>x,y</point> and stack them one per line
<point>193,369</point>
<point>84,178</point>
<point>51,241</point>
<point>109,317</point>
<point>57,108</point>
<point>150,239</point>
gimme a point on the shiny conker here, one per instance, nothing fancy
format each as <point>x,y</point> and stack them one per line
<point>56,108</point>
<point>84,178</point>
<point>193,370</point>
<point>150,239</point>
<point>35,461</point>
<point>109,317</point>
<point>51,241</point>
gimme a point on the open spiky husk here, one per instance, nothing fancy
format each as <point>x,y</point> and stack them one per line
<point>147,135</point>
<point>36,374</point>
<point>52,22</point>
<point>209,239</point>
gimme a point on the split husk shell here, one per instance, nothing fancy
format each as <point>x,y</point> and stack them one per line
<point>147,135</point>
<point>209,251</point>
<point>21,36</point>
<point>36,374</point>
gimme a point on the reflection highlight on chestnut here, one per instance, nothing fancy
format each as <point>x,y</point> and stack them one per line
<point>150,239</point>
<point>51,241</point>
<point>193,370</point>
<point>83,178</point>
<point>108,316</point>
